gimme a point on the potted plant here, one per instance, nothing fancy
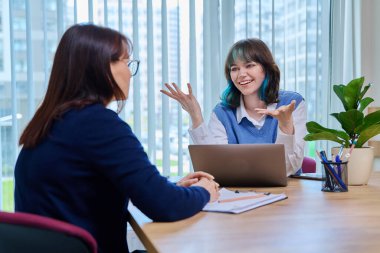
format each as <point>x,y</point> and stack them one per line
<point>357,129</point>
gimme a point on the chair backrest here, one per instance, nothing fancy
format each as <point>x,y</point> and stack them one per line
<point>309,165</point>
<point>24,232</point>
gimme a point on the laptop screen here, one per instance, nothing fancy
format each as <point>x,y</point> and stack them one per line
<point>242,165</point>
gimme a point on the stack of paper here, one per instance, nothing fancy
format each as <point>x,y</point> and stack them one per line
<point>237,202</point>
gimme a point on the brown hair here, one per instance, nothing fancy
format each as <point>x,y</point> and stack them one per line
<point>252,50</point>
<point>81,75</point>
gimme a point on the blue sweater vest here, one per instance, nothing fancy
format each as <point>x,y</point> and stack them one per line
<point>245,131</point>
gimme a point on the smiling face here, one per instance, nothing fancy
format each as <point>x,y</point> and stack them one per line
<point>247,76</point>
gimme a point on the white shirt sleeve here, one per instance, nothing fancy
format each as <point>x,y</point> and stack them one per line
<point>294,144</point>
<point>214,133</point>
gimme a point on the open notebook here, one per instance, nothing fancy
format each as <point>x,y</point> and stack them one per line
<point>238,202</point>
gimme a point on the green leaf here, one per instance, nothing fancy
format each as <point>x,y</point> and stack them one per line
<point>352,93</point>
<point>335,115</point>
<point>350,120</point>
<point>364,103</point>
<point>339,91</point>
<point>323,136</point>
<point>364,91</point>
<point>314,128</point>
<point>367,134</point>
<point>369,120</point>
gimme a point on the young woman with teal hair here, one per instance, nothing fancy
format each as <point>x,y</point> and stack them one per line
<point>252,109</point>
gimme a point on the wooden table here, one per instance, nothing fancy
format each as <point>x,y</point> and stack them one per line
<point>308,221</point>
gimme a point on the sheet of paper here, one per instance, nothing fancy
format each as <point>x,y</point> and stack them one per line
<point>237,202</point>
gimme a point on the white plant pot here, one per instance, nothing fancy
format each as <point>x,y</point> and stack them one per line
<point>360,164</point>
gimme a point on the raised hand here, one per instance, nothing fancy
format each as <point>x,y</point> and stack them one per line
<point>188,102</point>
<point>284,116</point>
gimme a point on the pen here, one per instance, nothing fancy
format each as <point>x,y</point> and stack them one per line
<point>340,152</point>
<point>316,151</point>
<point>328,179</point>
<point>323,155</point>
<point>339,169</point>
<point>260,195</point>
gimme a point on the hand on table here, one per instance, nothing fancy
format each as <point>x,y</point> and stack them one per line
<point>211,186</point>
<point>193,178</point>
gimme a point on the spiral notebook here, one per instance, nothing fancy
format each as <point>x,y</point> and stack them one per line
<point>238,202</point>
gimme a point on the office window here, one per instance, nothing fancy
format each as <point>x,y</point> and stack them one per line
<point>192,53</point>
<point>1,56</point>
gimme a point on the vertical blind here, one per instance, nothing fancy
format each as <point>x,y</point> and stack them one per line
<point>177,41</point>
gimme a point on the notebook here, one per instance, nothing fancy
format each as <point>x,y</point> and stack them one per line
<point>238,201</point>
<point>242,165</point>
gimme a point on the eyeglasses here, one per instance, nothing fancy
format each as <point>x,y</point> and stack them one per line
<point>133,66</point>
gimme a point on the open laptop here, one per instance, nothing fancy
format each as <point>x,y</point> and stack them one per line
<point>242,165</point>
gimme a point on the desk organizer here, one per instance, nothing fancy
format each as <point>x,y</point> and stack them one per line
<point>335,177</point>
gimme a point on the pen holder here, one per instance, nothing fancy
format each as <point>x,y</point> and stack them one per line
<point>335,177</point>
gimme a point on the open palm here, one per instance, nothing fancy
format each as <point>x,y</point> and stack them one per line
<point>188,102</point>
<point>284,116</point>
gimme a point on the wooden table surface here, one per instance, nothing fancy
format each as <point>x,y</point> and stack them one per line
<point>308,221</point>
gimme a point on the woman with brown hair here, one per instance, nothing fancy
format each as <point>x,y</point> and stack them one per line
<point>80,162</point>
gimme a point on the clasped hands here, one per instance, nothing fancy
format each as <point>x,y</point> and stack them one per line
<point>204,180</point>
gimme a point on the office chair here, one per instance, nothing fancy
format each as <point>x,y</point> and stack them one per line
<point>23,232</point>
<point>308,165</point>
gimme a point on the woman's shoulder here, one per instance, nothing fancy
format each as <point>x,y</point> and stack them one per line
<point>94,116</point>
<point>93,111</point>
<point>97,108</point>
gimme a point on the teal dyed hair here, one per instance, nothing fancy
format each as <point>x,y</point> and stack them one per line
<point>231,95</point>
<point>263,88</point>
